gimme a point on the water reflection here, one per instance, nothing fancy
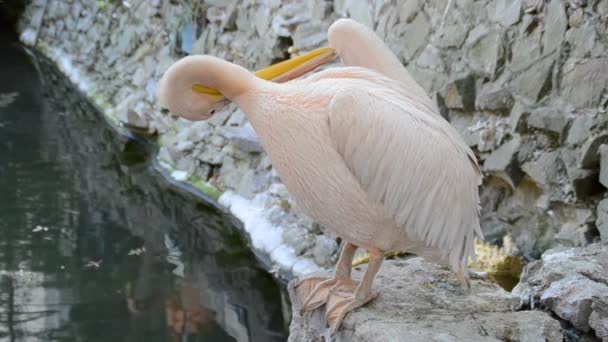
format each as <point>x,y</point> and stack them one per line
<point>95,246</point>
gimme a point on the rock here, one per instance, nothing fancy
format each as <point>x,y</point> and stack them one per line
<point>503,162</point>
<point>429,79</point>
<point>310,35</point>
<point>298,238</point>
<point>454,31</point>
<point>602,219</point>
<point>430,58</point>
<point>506,12</point>
<point>581,128</point>
<point>408,10</point>
<point>497,101</point>
<point>604,165</point>
<point>543,170</point>
<point>569,302</point>
<point>279,190</point>
<point>413,36</point>
<point>518,117</point>
<point>324,250</point>
<point>576,18</point>
<point>484,50</point>
<point>555,26</point>
<point>590,151</point>
<point>526,50</point>
<point>246,187</point>
<point>548,119</point>
<point>360,11</point>
<point>231,172</point>
<point>581,39</point>
<point>461,94</point>
<point>211,155</point>
<point>583,83</point>
<point>570,282</point>
<point>535,82</point>
<point>577,231</point>
<point>287,18</point>
<point>243,138</point>
<point>582,182</point>
<point>598,320</point>
<point>420,301</point>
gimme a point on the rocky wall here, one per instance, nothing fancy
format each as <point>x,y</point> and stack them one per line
<point>524,81</point>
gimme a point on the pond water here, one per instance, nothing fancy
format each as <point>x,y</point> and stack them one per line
<point>96,246</point>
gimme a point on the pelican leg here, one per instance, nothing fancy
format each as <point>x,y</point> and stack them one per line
<point>315,290</point>
<point>340,303</point>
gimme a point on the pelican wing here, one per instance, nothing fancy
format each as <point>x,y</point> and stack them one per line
<point>414,164</point>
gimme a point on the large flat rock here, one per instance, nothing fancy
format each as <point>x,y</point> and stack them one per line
<point>573,284</point>
<point>421,301</point>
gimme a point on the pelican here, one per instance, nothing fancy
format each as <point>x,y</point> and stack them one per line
<point>361,149</point>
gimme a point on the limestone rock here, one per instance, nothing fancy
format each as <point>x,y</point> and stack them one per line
<point>484,50</point>
<point>506,12</point>
<point>604,165</point>
<point>243,138</point>
<point>454,30</point>
<point>359,10</point>
<point>578,228</point>
<point>543,170</point>
<point>583,182</point>
<point>555,26</point>
<point>412,37</point>
<point>420,301</point>
<point>583,83</point>
<point>548,119</point>
<point>461,94</point>
<point>503,161</point>
<point>408,10</point>
<point>518,117</point>
<point>497,101</point>
<point>535,82</point>
<point>602,219</point>
<point>572,283</point>
<point>310,35</point>
<point>582,39</point>
<point>590,151</point>
<point>526,50</point>
<point>581,128</point>
<point>324,251</point>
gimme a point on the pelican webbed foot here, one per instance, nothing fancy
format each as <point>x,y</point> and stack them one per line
<point>341,302</point>
<point>314,291</point>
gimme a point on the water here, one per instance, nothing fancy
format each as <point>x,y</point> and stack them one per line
<point>96,246</point>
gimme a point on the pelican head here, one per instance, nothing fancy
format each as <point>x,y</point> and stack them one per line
<point>197,86</point>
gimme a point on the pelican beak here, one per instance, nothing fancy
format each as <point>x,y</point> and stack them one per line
<point>283,71</point>
<point>297,66</point>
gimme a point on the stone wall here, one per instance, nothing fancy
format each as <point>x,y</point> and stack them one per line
<point>524,81</point>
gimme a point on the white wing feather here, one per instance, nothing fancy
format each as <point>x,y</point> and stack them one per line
<point>412,163</point>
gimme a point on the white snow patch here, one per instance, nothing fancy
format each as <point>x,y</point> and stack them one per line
<point>266,236</point>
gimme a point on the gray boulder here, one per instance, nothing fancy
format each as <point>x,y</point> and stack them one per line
<point>604,165</point>
<point>572,283</point>
<point>243,138</point>
<point>503,162</point>
<point>548,119</point>
<point>602,219</point>
<point>420,301</point>
<point>497,101</point>
<point>590,151</point>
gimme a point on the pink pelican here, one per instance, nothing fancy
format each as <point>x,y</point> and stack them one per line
<point>360,148</point>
